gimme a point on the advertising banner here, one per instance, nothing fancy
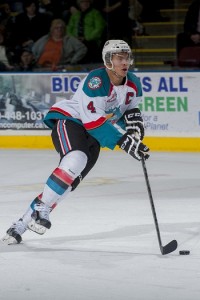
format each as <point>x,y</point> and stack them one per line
<point>26,98</point>
<point>170,106</point>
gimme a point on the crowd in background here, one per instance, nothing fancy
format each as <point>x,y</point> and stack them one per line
<point>61,34</point>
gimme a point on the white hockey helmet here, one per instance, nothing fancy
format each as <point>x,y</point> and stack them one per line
<point>115,46</point>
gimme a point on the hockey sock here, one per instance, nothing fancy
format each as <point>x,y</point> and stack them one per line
<point>59,182</point>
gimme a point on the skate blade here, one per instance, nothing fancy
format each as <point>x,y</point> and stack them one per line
<point>37,228</point>
<point>9,240</point>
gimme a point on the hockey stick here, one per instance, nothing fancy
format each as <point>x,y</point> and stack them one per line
<point>171,246</point>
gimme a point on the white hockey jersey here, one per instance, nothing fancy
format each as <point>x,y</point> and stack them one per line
<point>98,105</point>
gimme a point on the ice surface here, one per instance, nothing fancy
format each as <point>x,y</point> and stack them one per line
<point>103,243</point>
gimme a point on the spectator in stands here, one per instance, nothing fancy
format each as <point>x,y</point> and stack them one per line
<point>16,6</point>
<point>26,61</point>
<point>30,25</point>
<point>53,8</point>
<point>88,25</point>
<point>135,9</point>
<point>191,34</point>
<point>58,49</point>
<point>6,14</point>
<point>7,19</point>
<point>69,7</point>
<point>116,12</point>
<point>4,57</point>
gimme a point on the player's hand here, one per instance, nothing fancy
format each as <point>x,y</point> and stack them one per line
<point>133,146</point>
<point>134,122</point>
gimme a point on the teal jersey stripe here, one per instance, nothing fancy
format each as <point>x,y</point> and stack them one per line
<point>52,117</point>
<point>107,135</point>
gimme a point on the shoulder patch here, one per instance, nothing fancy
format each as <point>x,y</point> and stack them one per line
<point>95,83</point>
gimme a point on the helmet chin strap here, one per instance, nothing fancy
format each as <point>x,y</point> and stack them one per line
<point>115,73</point>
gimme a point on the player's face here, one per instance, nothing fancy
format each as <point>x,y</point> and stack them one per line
<point>121,63</point>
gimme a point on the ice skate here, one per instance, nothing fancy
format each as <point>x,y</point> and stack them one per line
<point>13,234</point>
<point>40,218</point>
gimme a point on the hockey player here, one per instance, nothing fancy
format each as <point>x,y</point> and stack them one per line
<point>106,101</point>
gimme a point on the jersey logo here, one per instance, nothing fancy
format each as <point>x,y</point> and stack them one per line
<point>94,83</point>
<point>112,98</point>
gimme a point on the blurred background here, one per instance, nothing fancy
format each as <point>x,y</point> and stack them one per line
<point>163,35</point>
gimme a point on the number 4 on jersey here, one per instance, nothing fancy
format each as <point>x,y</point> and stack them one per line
<point>91,107</point>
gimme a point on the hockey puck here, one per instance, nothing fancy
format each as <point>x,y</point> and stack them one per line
<point>184,252</point>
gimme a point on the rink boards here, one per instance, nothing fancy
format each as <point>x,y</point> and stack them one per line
<point>170,108</point>
<point>155,143</point>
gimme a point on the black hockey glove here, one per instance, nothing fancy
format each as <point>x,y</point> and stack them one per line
<point>133,146</point>
<point>134,122</point>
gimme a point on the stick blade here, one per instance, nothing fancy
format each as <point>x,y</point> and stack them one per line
<point>169,247</point>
